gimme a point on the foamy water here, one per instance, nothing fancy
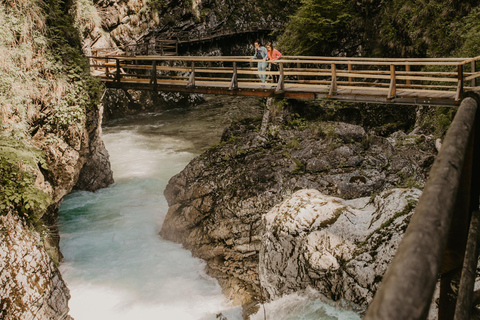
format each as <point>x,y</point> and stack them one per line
<point>117,267</point>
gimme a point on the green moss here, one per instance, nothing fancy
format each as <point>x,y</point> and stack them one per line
<point>17,180</point>
<point>383,229</point>
<point>336,214</point>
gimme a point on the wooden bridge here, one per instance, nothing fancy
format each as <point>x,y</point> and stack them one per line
<point>441,245</point>
<point>441,82</point>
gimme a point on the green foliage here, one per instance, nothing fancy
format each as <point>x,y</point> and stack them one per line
<point>296,122</point>
<point>44,82</point>
<point>317,28</point>
<point>470,35</point>
<point>395,28</point>
<point>17,180</point>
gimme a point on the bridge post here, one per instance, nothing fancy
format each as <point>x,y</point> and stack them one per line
<point>191,80</point>
<point>333,85</point>
<point>281,82</point>
<point>459,93</point>
<point>349,70</point>
<point>407,69</point>
<point>474,69</point>
<point>117,73</point>
<point>153,79</point>
<point>392,90</point>
<point>234,83</point>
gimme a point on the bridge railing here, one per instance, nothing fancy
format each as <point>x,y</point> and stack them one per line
<point>441,241</point>
<point>442,78</point>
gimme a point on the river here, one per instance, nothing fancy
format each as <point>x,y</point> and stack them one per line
<point>116,265</point>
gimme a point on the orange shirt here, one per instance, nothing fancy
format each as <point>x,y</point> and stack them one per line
<point>274,54</point>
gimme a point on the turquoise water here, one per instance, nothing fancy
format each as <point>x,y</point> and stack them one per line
<point>116,265</point>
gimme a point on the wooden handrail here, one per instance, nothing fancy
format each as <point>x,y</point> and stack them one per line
<point>362,74</point>
<point>407,288</point>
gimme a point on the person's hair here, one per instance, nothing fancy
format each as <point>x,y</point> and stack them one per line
<point>269,44</point>
<point>258,41</point>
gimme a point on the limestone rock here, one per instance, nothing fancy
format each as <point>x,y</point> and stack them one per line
<point>31,286</point>
<point>96,172</point>
<point>339,247</point>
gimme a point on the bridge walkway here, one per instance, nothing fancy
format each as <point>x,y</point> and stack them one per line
<point>440,82</point>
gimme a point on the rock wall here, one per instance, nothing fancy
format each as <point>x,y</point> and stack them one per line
<point>49,124</point>
<point>31,285</point>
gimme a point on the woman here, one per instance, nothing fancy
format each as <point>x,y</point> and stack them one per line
<point>261,54</point>
<point>272,56</point>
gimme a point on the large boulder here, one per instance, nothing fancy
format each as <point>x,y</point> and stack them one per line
<point>339,247</point>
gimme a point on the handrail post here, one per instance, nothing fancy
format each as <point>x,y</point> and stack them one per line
<point>459,93</point>
<point>474,69</point>
<point>117,74</point>
<point>153,79</point>
<point>234,82</point>
<point>191,80</point>
<point>107,69</point>
<point>281,81</point>
<point>349,70</point>
<point>333,85</point>
<point>407,69</point>
<point>392,90</point>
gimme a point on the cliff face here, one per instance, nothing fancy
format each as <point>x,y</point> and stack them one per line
<point>50,122</point>
<point>217,202</point>
<point>32,287</point>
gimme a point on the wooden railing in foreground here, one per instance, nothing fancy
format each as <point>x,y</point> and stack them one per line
<point>401,81</point>
<point>442,236</point>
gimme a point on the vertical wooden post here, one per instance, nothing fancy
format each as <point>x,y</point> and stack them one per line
<point>176,47</point>
<point>107,69</point>
<point>153,79</point>
<point>349,70</point>
<point>191,80</point>
<point>392,90</point>
<point>117,74</point>
<point>281,82</point>
<point>474,69</point>
<point>234,82</point>
<point>407,69</point>
<point>459,93</point>
<point>333,85</point>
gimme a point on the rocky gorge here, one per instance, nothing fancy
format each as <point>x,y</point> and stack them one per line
<point>284,203</point>
<point>309,196</point>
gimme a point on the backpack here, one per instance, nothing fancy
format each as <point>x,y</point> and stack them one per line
<point>258,54</point>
